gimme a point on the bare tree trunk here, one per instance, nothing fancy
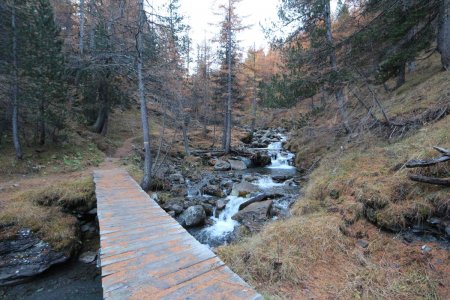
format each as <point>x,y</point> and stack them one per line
<point>105,126</point>
<point>229,103</point>
<point>444,33</point>
<point>41,123</point>
<point>4,124</point>
<point>91,27</point>
<point>146,180</point>
<point>401,78</point>
<point>81,27</point>
<point>225,126</point>
<point>339,93</point>
<point>15,109</point>
<point>185,134</point>
<point>254,91</point>
<point>103,111</point>
<point>161,135</point>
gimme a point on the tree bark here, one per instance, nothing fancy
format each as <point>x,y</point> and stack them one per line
<point>91,27</point>
<point>339,93</point>
<point>103,111</point>
<point>15,110</point>
<point>420,163</point>
<point>229,100</point>
<point>81,27</point>
<point>41,123</point>
<point>4,124</point>
<point>146,180</point>
<point>444,33</point>
<point>430,180</point>
<point>401,77</point>
<point>185,134</point>
<point>254,91</point>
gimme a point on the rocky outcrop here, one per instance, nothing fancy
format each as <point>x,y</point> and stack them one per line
<point>193,216</point>
<point>255,215</point>
<point>25,256</point>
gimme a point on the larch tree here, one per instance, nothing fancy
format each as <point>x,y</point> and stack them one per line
<point>146,180</point>
<point>229,60</point>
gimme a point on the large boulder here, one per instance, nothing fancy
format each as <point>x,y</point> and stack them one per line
<point>25,256</point>
<point>222,165</point>
<point>260,159</point>
<point>213,190</point>
<point>243,189</point>
<point>255,215</point>
<point>237,165</point>
<point>193,216</point>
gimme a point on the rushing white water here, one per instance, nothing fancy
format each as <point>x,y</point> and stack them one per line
<point>280,159</point>
<point>223,225</point>
<point>266,182</point>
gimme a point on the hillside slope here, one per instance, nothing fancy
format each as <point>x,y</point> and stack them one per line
<point>350,234</point>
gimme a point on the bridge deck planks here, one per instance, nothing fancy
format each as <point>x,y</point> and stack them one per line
<point>146,254</point>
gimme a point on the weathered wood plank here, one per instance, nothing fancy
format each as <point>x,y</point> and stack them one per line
<point>146,254</point>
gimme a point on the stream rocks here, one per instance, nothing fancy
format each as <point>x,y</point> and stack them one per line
<point>237,187</point>
<point>193,216</point>
<point>238,165</point>
<point>88,257</point>
<point>25,256</point>
<point>243,189</point>
<point>260,159</point>
<point>221,165</point>
<point>255,215</point>
<point>213,190</point>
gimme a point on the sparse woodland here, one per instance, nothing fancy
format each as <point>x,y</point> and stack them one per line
<point>364,92</point>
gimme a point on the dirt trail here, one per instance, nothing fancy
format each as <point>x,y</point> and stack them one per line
<point>125,149</point>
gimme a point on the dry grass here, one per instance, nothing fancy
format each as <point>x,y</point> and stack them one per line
<point>78,155</point>
<point>47,211</point>
<point>308,257</point>
<point>368,176</point>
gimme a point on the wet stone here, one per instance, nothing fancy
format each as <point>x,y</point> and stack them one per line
<point>88,257</point>
<point>26,256</point>
<point>193,216</point>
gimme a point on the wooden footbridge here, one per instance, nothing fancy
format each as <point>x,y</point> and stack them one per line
<point>146,254</point>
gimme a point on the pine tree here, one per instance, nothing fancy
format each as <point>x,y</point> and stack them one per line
<point>43,63</point>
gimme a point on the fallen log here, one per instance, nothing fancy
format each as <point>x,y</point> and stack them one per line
<point>430,180</point>
<point>442,150</point>
<point>215,152</point>
<point>259,198</point>
<point>419,163</point>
